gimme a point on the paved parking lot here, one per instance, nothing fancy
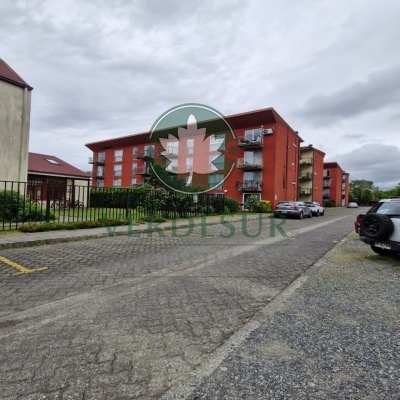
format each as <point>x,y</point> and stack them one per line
<point>128,316</point>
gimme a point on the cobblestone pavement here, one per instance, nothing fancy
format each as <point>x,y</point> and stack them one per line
<point>127,317</point>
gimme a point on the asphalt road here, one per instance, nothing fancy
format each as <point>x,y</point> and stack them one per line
<point>127,317</point>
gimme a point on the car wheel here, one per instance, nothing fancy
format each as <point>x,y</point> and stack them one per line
<point>310,215</point>
<point>384,252</point>
<point>377,226</point>
<point>317,214</point>
<point>301,215</point>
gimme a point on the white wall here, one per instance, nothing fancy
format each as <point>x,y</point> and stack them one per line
<point>15,107</point>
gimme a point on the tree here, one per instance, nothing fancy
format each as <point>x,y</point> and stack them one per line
<point>363,191</point>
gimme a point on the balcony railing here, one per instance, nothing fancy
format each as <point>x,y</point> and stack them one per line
<point>305,177</point>
<point>171,152</point>
<point>305,191</point>
<point>143,171</point>
<point>97,161</point>
<point>248,143</point>
<point>254,186</point>
<point>149,154</point>
<point>306,161</point>
<point>249,165</point>
<point>98,174</point>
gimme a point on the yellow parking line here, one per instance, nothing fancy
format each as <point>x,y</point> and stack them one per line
<point>20,268</point>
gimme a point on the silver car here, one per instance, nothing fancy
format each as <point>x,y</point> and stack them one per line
<point>297,209</point>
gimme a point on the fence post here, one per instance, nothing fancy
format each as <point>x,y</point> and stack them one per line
<point>48,192</point>
<point>127,203</point>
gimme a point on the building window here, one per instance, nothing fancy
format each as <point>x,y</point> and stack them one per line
<point>117,182</point>
<point>149,150</point>
<point>117,169</point>
<point>100,183</point>
<point>253,135</point>
<point>118,155</point>
<point>172,148</point>
<point>134,168</point>
<point>134,183</point>
<point>189,146</point>
<point>217,142</point>
<point>100,171</point>
<point>189,163</point>
<point>101,157</point>
<point>216,162</point>
<point>215,181</point>
<point>135,153</point>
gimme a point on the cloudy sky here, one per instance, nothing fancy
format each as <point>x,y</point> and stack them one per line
<point>109,68</point>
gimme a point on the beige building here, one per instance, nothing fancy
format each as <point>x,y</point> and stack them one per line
<point>15,108</point>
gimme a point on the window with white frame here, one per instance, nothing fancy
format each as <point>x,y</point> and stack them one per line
<point>189,146</point>
<point>173,148</point>
<point>134,168</point>
<point>253,135</point>
<point>217,142</point>
<point>216,162</point>
<point>100,171</point>
<point>135,153</point>
<point>117,182</point>
<point>118,155</point>
<point>100,183</point>
<point>134,183</point>
<point>117,169</point>
<point>189,164</point>
<point>149,150</point>
<point>101,157</point>
<point>215,181</point>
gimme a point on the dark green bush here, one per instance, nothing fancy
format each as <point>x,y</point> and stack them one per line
<point>329,203</point>
<point>232,205</point>
<point>57,226</point>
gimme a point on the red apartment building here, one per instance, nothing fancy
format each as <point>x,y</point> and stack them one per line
<point>268,162</point>
<point>266,154</point>
<point>335,184</point>
<point>311,174</point>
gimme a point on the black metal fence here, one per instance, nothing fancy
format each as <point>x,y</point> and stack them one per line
<point>48,201</point>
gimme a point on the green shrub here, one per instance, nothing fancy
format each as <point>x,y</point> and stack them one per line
<point>329,203</point>
<point>252,203</point>
<point>264,206</point>
<point>232,205</point>
<point>57,226</point>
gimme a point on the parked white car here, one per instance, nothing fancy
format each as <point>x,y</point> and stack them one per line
<point>380,227</point>
<point>316,208</point>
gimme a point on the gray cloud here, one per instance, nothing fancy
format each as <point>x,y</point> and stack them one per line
<point>109,68</point>
<point>375,162</point>
<point>379,90</point>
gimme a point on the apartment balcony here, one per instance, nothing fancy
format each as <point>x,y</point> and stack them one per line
<point>145,171</point>
<point>307,161</point>
<point>247,165</point>
<point>146,155</point>
<point>250,144</point>
<point>305,177</point>
<point>249,186</point>
<point>96,161</point>
<point>326,184</point>
<point>305,191</point>
<point>171,152</point>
